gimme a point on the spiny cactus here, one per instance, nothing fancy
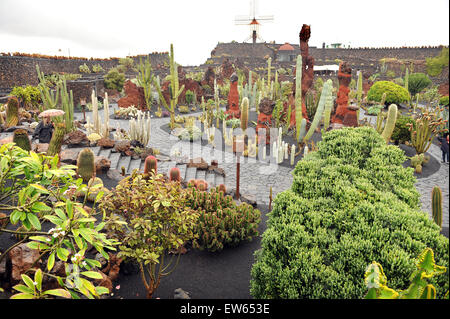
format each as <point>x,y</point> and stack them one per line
<point>326,91</point>
<point>222,188</point>
<point>390,123</point>
<point>151,164</point>
<point>202,185</point>
<point>174,174</point>
<point>140,128</point>
<point>12,112</point>
<point>22,140</point>
<point>436,205</point>
<point>298,97</point>
<point>57,139</point>
<point>86,164</point>
<point>244,114</point>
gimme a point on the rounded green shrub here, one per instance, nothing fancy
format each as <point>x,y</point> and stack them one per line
<point>401,132</point>
<point>351,202</point>
<point>114,80</point>
<point>395,94</point>
<point>417,82</point>
<point>443,101</point>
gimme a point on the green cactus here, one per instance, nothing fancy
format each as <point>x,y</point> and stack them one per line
<point>376,280</point>
<point>406,79</point>
<point>66,106</point>
<point>57,139</point>
<point>436,205</point>
<point>390,123</point>
<point>12,112</point>
<point>298,97</point>
<point>244,114</point>
<point>86,164</point>
<point>326,91</point>
<point>328,109</point>
<point>22,140</point>
<point>383,99</point>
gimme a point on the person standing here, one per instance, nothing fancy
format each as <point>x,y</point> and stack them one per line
<point>44,130</point>
<point>443,140</point>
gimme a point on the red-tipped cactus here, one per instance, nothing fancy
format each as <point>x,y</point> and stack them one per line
<point>174,174</point>
<point>222,188</point>
<point>191,183</point>
<point>202,185</point>
<point>151,163</point>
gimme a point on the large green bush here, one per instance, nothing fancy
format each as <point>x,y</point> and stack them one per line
<point>114,80</point>
<point>417,82</point>
<point>351,203</point>
<point>395,94</point>
<point>436,65</point>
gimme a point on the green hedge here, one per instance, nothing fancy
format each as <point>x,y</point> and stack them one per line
<point>351,203</point>
<point>395,94</point>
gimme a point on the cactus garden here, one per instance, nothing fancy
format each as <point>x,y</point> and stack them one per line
<point>229,180</point>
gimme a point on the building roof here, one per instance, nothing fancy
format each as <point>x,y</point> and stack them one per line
<point>286,47</point>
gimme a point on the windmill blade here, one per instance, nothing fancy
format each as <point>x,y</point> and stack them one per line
<point>242,17</point>
<point>242,22</point>
<point>266,18</point>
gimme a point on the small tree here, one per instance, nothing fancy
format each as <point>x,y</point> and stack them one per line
<point>417,82</point>
<point>114,80</point>
<point>159,221</point>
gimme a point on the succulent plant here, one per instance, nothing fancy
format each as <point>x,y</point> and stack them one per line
<point>12,112</point>
<point>57,139</point>
<point>21,139</point>
<point>151,164</point>
<point>436,205</point>
<point>174,174</point>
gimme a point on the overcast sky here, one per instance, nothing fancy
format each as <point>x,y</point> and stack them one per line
<point>117,28</point>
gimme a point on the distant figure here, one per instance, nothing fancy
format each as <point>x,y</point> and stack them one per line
<point>443,140</point>
<point>44,130</point>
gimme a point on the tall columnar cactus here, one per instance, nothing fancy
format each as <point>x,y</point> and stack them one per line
<point>97,126</point>
<point>244,114</point>
<point>12,112</point>
<point>328,109</point>
<point>359,93</point>
<point>298,97</point>
<point>436,205</point>
<point>326,91</point>
<point>50,98</point>
<point>174,174</point>
<point>145,80</point>
<point>57,139</point>
<point>390,123</point>
<point>406,81</point>
<point>86,164</point>
<point>22,140</point>
<point>140,128</point>
<point>175,90</point>
<point>151,164</point>
<point>67,106</point>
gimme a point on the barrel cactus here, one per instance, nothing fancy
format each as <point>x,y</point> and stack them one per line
<point>174,174</point>
<point>86,164</point>
<point>151,163</point>
<point>12,112</point>
<point>57,139</point>
<point>22,140</point>
<point>436,205</point>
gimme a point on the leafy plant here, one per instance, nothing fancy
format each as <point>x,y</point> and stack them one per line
<point>29,95</point>
<point>114,79</point>
<point>401,132</point>
<point>84,68</point>
<point>436,64</point>
<point>417,82</point>
<point>376,280</point>
<point>157,221</point>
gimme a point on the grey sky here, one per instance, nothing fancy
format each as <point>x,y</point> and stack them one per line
<point>117,28</point>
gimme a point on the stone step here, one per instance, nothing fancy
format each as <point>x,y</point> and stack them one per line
<point>201,174</point>
<point>96,150</point>
<point>125,162</point>
<point>142,166</point>
<point>190,173</point>
<point>182,168</point>
<point>210,179</point>
<point>134,164</point>
<point>114,158</point>
<point>105,152</point>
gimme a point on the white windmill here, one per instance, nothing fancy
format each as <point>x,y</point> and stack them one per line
<point>253,21</point>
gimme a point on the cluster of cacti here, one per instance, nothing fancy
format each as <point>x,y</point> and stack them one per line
<point>390,123</point>
<point>222,222</point>
<point>57,139</point>
<point>298,98</point>
<point>174,174</point>
<point>49,97</point>
<point>326,92</point>
<point>12,112</point>
<point>145,80</point>
<point>150,164</point>
<point>376,280</point>
<point>199,184</point>
<point>86,164</point>
<point>67,106</point>
<point>250,90</point>
<point>126,112</point>
<point>101,129</point>
<point>120,134</point>
<point>436,205</point>
<point>175,90</point>
<point>21,139</point>
<point>417,162</point>
<point>140,128</point>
